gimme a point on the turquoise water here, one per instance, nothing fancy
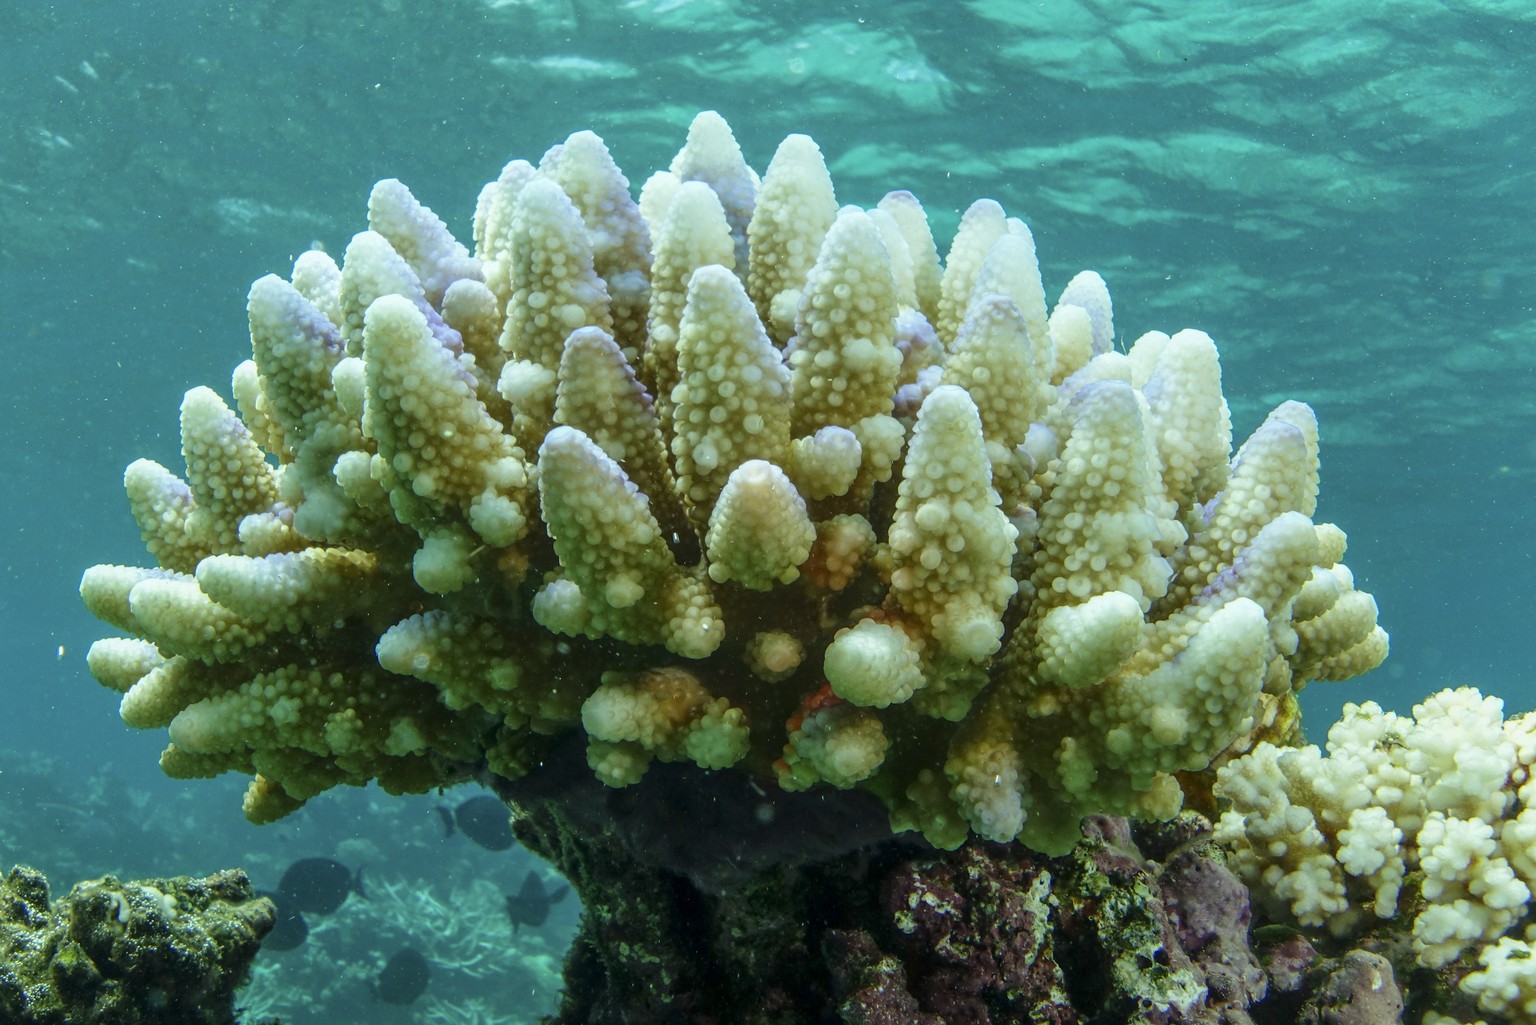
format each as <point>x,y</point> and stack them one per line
<point>1345,203</point>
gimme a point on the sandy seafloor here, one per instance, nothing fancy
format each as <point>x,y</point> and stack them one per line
<point>1344,201</point>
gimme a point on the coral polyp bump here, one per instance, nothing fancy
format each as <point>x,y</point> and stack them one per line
<point>730,475</point>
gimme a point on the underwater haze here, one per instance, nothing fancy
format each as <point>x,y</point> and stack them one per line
<point>1344,201</point>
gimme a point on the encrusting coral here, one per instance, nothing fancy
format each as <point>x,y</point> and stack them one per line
<point>731,475</point>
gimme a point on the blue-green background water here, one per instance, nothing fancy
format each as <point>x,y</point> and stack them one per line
<point>1346,202</point>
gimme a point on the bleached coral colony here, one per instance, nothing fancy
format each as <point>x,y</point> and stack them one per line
<point>731,475</point>
<point>1429,819</point>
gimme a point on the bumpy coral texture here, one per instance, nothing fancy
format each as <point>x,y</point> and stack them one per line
<point>729,475</point>
<point>1430,816</point>
<point>169,951</point>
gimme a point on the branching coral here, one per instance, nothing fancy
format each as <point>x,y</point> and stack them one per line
<point>669,468</point>
<point>1432,816</point>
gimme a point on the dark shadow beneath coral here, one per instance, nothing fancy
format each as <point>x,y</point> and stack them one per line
<point>738,906</point>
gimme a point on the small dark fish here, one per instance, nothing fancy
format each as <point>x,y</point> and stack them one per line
<point>444,813</point>
<point>486,821</point>
<point>319,885</point>
<point>404,978</point>
<point>290,930</point>
<point>531,905</point>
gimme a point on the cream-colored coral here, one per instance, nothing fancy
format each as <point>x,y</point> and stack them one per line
<point>693,233</point>
<point>433,431</point>
<point>1274,472</point>
<point>420,237</point>
<point>983,223</point>
<point>228,476</point>
<point>843,545</point>
<point>731,401</point>
<point>773,655</point>
<point>554,290</point>
<point>621,240</point>
<point>600,396</point>
<point>1082,644</point>
<point>1506,981</point>
<point>731,476</point>
<point>951,546</point>
<point>663,713</point>
<point>121,662</point>
<point>875,664</point>
<point>161,502</point>
<point>710,155</point>
<point>1329,840</point>
<point>987,775</point>
<point>476,663</point>
<point>1191,426</point>
<point>906,213</point>
<point>843,357</point>
<point>840,744</point>
<point>759,533</point>
<point>796,208</point>
<point>612,550</point>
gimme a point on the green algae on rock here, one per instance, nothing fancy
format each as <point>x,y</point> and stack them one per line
<point>153,951</point>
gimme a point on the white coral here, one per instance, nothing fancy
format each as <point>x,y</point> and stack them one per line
<point>1330,839</point>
